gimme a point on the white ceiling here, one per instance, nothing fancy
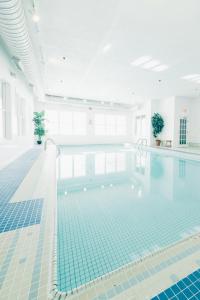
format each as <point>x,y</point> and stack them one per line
<point>100,39</point>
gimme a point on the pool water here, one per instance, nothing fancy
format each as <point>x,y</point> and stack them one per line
<point>116,205</point>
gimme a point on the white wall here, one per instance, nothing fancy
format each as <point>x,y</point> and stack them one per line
<point>142,110</point>
<point>195,122</point>
<point>13,87</point>
<point>173,109</point>
<point>90,137</point>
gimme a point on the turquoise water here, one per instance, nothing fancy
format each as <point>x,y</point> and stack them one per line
<point>116,205</point>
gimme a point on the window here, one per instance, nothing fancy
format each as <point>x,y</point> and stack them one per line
<point>110,125</point>
<point>52,122</point>
<point>121,125</point>
<point>99,124</point>
<point>66,126</point>
<point>79,123</point>
<point>66,122</point>
<point>140,126</point>
<point>183,132</point>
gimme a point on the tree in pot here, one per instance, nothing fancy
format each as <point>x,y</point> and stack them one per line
<point>157,124</point>
<point>38,120</point>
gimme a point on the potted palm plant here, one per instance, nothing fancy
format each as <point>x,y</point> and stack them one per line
<point>38,120</point>
<point>157,124</point>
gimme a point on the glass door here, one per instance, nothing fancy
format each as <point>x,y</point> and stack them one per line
<point>183,132</point>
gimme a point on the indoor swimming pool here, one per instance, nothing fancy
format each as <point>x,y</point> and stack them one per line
<point>117,205</point>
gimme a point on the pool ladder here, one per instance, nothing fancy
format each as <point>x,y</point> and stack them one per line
<point>54,143</point>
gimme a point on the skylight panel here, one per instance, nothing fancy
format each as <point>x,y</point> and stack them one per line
<point>191,76</point>
<point>151,64</point>
<point>141,60</point>
<point>160,68</point>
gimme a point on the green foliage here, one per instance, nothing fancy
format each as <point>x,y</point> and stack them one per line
<point>38,120</point>
<point>157,124</point>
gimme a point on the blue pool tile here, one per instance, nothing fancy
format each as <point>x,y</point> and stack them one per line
<point>193,289</point>
<point>169,293</point>
<point>181,285</point>
<point>162,296</point>
<point>175,289</point>
<point>188,292</point>
<point>12,175</point>
<point>187,288</point>
<point>20,214</point>
<point>182,296</point>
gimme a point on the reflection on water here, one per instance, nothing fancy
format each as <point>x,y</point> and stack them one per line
<point>182,168</point>
<point>70,166</point>
<point>150,174</point>
<point>157,167</point>
<point>115,206</point>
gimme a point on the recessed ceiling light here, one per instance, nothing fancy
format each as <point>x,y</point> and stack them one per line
<point>141,60</point>
<point>106,48</point>
<point>35,18</point>
<point>160,68</point>
<point>151,64</point>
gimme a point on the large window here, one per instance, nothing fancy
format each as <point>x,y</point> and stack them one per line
<point>52,124</point>
<point>111,125</point>
<point>140,126</point>
<point>66,122</point>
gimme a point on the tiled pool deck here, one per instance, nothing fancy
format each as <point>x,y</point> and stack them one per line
<point>26,232</point>
<point>28,267</point>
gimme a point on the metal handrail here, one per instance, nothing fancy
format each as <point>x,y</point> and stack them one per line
<point>54,143</point>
